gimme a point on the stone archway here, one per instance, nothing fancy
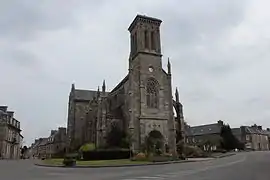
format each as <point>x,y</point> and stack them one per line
<point>155,142</point>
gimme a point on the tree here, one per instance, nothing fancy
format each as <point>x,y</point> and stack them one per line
<point>229,141</point>
<point>87,147</point>
<point>23,150</point>
<point>117,137</point>
<point>210,142</point>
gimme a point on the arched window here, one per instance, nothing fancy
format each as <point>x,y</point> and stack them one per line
<point>153,42</point>
<point>152,93</point>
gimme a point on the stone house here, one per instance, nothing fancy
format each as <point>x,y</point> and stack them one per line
<point>35,148</point>
<point>205,136</point>
<point>254,137</point>
<point>141,103</point>
<point>56,144</point>
<point>41,147</point>
<point>52,146</point>
<point>10,137</point>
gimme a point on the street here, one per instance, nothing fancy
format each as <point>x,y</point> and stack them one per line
<point>248,166</point>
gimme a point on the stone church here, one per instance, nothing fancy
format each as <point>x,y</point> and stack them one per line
<point>140,104</point>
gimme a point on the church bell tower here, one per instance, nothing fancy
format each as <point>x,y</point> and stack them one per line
<point>149,85</point>
<point>145,36</point>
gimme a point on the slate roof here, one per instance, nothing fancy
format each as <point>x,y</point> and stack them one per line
<point>203,130</point>
<point>82,94</point>
<point>43,141</point>
<point>37,143</point>
<point>121,83</point>
<point>255,130</point>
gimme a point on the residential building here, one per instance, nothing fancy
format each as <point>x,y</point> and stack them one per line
<point>205,136</point>
<point>42,148</point>
<point>56,145</point>
<point>52,146</point>
<point>10,138</point>
<point>140,104</point>
<point>34,152</point>
<point>254,137</point>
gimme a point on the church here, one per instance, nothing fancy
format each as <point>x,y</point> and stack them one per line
<point>140,104</point>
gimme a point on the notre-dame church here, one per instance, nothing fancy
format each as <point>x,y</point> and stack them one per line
<point>140,104</point>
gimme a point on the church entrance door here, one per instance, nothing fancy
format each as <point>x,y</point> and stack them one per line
<point>155,142</point>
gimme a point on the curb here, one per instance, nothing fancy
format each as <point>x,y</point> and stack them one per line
<point>123,165</point>
<point>225,155</point>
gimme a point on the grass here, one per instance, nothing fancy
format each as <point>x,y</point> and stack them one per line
<point>95,163</point>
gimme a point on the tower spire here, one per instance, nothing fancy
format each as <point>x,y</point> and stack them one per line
<point>103,86</point>
<point>169,66</point>
<point>98,92</point>
<point>72,86</point>
<point>177,95</point>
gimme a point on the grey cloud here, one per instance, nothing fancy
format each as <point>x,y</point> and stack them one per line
<point>23,20</point>
<point>19,58</point>
<point>45,46</point>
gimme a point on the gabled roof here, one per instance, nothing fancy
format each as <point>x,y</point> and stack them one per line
<point>255,130</point>
<point>86,95</point>
<point>43,141</point>
<point>121,83</point>
<point>81,94</point>
<point>37,143</point>
<point>203,130</point>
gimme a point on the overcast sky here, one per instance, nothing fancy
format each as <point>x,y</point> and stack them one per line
<point>219,52</point>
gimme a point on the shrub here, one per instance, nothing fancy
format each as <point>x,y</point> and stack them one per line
<point>70,160</point>
<point>193,151</point>
<point>87,147</point>
<point>140,157</point>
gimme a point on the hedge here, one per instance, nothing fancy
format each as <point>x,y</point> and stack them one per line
<point>106,154</point>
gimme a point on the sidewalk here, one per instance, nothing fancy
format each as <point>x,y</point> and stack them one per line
<point>40,163</point>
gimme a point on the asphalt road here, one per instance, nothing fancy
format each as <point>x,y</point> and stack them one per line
<point>246,166</point>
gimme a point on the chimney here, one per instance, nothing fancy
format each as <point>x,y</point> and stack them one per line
<point>220,122</point>
<point>260,127</point>
<point>53,132</point>
<point>62,129</point>
<point>254,126</point>
<point>3,108</point>
<point>10,114</point>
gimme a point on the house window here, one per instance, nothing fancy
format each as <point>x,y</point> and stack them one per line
<point>247,137</point>
<point>152,93</point>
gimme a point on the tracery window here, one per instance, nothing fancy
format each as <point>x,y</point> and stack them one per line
<point>152,93</point>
